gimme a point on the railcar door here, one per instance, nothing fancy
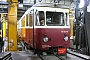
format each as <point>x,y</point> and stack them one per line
<point>31,28</point>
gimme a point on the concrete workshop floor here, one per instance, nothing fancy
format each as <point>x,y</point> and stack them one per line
<point>22,55</point>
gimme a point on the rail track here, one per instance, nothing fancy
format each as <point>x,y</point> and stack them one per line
<point>75,53</point>
<point>69,51</point>
<point>56,57</point>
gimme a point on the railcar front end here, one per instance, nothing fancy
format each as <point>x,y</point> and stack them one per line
<point>53,32</point>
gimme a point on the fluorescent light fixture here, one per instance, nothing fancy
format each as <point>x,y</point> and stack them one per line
<point>81,4</point>
<point>20,5</point>
<point>3,13</point>
<point>4,0</point>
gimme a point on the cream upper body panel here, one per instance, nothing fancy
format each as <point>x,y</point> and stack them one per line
<point>51,9</point>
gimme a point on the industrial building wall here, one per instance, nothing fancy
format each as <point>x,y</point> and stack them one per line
<point>66,2</point>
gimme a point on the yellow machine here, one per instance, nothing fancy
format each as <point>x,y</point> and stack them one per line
<point>3,29</point>
<point>71,17</point>
<point>12,25</point>
<point>3,25</point>
<point>3,21</point>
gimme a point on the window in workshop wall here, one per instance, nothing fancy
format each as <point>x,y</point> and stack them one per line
<point>23,22</point>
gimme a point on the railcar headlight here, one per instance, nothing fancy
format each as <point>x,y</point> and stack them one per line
<point>45,39</point>
<point>66,38</point>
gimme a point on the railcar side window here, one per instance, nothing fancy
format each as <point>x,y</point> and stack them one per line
<point>40,19</point>
<point>55,19</point>
<point>67,19</point>
<point>27,20</point>
<point>31,19</point>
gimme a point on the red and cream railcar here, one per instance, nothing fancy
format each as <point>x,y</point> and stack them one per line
<point>45,26</point>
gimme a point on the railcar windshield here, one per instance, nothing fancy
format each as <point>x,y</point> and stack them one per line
<point>55,19</point>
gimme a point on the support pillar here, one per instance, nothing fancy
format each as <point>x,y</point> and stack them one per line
<point>12,26</point>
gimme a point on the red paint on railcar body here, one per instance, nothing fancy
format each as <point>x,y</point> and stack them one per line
<point>55,37</point>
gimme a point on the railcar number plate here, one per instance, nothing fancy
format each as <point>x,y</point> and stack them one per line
<point>61,50</point>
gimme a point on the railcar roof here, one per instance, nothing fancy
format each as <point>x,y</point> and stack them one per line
<point>46,5</point>
<point>56,5</point>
